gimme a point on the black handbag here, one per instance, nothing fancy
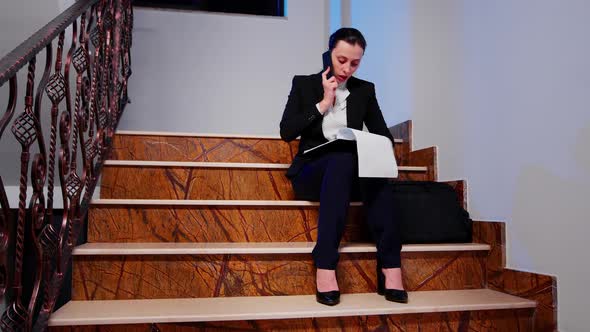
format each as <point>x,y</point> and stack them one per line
<point>429,212</point>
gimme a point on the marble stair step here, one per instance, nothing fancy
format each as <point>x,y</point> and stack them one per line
<point>204,135</point>
<point>136,179</point>
<point>203,202</point>
<point>251,248</point>
<point>277,307</point>
<point>110,271</point>
<point>231,165</point>
<point>172,146</point>
<point>157,220</point>
<point>126,220</point>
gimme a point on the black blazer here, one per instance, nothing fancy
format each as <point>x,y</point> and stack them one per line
<point>302,118</point>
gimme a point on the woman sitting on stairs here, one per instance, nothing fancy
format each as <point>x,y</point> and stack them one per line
<point>317,107</point>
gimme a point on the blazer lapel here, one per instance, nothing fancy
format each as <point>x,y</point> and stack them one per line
<point>317,86</point>
<point>353,112</point>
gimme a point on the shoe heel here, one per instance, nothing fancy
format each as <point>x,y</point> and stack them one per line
<point>380,281</point>
<point>329,298</point>
<point>392,295</point>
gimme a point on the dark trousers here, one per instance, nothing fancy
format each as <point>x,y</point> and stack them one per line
<point>333,180</point>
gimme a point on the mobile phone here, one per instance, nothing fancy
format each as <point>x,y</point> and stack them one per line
<point>327,58</point>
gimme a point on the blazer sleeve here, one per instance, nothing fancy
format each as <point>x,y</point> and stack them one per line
<point>299,113</point>
<point>374,118</point>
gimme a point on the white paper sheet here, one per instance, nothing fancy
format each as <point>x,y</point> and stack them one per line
<point>376,158</point>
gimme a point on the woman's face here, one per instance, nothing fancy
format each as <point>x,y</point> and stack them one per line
<point>346,59</point>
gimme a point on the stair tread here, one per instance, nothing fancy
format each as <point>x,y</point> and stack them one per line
<point>207,248</point>
<point>276,307</point>
<point>215,202</point>
<point>203,164</point>
<point>212,135</point>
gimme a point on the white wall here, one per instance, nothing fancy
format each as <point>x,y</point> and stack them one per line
<point>209,72</point>
<point>387,61</point>
<point>502,87</point>
<point>20,19</point>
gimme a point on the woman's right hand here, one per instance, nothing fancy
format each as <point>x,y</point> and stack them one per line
<point>330,85</point>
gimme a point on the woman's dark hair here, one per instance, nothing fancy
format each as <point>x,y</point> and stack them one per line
<point>349,35</point>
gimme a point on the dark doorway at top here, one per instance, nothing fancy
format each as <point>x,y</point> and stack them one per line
<point>251,7</point>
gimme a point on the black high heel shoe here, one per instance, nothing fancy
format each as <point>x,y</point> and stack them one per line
<point>328,298</point>
<point>393,295</point>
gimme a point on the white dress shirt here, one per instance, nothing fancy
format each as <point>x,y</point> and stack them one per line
<point>335,116</point>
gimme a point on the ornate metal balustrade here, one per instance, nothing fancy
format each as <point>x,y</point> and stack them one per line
<point>83,117</point>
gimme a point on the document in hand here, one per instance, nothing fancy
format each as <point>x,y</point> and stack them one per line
<point>375,153</point>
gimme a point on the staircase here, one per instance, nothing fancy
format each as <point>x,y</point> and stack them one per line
<point>202,233</point>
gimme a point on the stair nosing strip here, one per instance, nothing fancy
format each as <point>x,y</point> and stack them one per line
<point>351,305</point>
<point>251,248</point>
<point>189,134</point>
<point>187,202</point>
<point>208,135</point>
<point>197,164</point>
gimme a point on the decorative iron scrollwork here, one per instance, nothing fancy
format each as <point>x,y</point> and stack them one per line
<point>82,122</point>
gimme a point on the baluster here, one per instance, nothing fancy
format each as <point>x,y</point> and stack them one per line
<point>91,143</point>
<point>102,118</point>
<point>16,316</point>
<point>5,215</point>
<point>65,126</point>
<point>55,90</point>
<point>126,40</point>
<point>87,123</point>
<point>74,183</point>
<point>38,228</point>
<point>115,101</point>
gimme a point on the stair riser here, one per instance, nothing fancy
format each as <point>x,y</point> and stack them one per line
<point>533,286</point>
<point>203,183</point>
<point>173,148</point>
<point>213,224</point>
<point>477,321</point>
<point>182,276</point>
<point>425,157</point>
<point>245,150</point>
